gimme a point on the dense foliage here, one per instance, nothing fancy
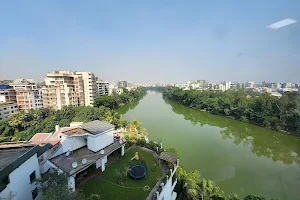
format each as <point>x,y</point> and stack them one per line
<point>190,186</point>
<point>22,126</point>
<point>114,101</point>
<point>264,110</point>
<point>54,186</point>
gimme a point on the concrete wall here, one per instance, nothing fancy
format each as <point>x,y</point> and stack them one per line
<point>96,143</point>
<point>20,186</point>
<point>72,143</point>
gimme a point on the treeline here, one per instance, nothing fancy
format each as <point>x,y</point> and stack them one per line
<point>22,126</point>
<point>263,110</point>
<point>156,88</point>
<point>115,100</point>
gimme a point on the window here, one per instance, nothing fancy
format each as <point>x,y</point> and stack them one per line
<point>34,193</point>
<point>32,176</point>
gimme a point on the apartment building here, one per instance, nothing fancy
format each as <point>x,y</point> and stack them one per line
<point>124,84</point>
<point>23,84</point>
<point>6,109</point>
<point>63,88</point>
<point>90,87</point>
<point>29,99</point>
<point>8,95</point>
<point>102,88</point>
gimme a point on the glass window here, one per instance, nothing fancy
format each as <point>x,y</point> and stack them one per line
<point>34,193</point>
<point>32,176</point>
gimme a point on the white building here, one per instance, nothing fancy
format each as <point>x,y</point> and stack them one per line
<point>90,87</point>
<point>29,99</point>
<point>167,188</point>
<point>23,84</point>
<point>19,169</point>
<point>6,109</point>
<point>102,88</point>
<point>63,88</point>
<point>83,146</point>
<point>8,95</point>
<point>227,85</point>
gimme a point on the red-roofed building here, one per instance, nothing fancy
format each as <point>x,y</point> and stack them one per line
<point>40,138</point>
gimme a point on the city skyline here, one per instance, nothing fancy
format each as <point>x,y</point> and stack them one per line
<point>161,42</point>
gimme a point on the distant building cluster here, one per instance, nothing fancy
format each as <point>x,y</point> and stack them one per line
<point>60,88</point>
<point>275,89</point>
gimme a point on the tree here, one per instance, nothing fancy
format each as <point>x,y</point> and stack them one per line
<point>264,110</point>
<point>55,186</point>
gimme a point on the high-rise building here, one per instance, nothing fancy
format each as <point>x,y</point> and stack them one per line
<point>28,96</point>
<point>90,87</point>
<point>103,88</point>
<point>8,96</point>
<point>29,99</point>
<point>63,88</point>
<point>6,109</point>
<point>23,84</point>
<point>286,85</point>
<point>227,85</point>
<point>123,84</point>
<point>250,84</point>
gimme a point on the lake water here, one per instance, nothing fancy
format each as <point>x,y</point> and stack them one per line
<point>240,158</point>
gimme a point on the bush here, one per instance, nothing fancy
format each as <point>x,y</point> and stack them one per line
<point>151,145</point>
<point>141,142</point>
<point>244,119</point>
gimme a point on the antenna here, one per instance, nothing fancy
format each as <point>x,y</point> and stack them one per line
<point>83,161</point>
<point>74,165</point>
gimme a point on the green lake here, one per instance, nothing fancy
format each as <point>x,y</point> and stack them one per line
<point>241,158</point>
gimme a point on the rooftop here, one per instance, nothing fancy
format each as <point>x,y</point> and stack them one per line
<point>8,155</point>
<point>39,138</point>
<point>97,127</point>
<point>74,131</point>
<point>12,156</point>
<point>169,157</point>
<point>64,162</point>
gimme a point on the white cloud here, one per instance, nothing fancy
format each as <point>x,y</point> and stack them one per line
<point>282,23</point>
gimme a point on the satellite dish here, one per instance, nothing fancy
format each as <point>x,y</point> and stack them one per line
<point>102,151</point>
<point>68,153</point>
<point>74,165</point>
<point>83,161</point>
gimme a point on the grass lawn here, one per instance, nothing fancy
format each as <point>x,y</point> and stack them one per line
<point>107,186</point>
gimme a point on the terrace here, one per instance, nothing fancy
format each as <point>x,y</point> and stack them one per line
<point>107,183</point>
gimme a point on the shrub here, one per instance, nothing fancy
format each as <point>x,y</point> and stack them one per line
<point>244,119</point>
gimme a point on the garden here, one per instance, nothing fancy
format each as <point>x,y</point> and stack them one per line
<point>116,183</point>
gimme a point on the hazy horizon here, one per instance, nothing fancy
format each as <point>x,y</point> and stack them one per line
<point>143,42</point>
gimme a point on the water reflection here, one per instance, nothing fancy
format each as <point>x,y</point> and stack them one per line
<point>263,142</point>
<point>124,109</point>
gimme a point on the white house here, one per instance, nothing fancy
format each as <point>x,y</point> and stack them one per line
<point>166,191</point>
<point>83,146</point>
<point>19,168</point>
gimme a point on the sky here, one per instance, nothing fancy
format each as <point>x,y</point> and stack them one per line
<point>151,41</point>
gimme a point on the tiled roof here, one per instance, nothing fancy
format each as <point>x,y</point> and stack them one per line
<point>97,127</point>
<point>40,138</point>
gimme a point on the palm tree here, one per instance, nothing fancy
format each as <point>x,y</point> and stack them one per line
<point>137,124</point>
<point>124,124</point>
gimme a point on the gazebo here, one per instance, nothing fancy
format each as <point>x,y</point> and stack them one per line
<point>168,157</point>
